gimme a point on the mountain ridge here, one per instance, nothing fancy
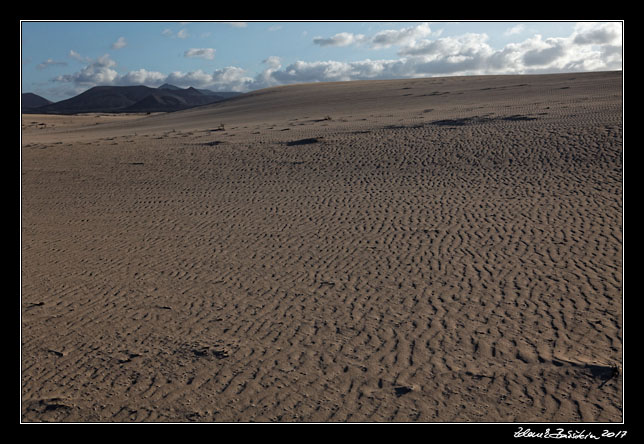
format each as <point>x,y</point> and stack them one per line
<point>125,99</point>
<point>31,100</point>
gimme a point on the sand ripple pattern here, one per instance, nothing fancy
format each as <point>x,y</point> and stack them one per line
<point>446,261</point>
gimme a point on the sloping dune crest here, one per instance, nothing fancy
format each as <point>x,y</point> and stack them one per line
<point>443,249</point>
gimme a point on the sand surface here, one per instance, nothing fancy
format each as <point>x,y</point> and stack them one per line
<point>445,249</point>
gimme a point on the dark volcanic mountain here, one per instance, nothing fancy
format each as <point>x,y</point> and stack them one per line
<point>131,99</point>
<point>170,99</point>
<point>168,86</point>
<point>31,100</point>
<point>223,94</point>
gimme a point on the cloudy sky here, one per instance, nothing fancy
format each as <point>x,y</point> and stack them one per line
<point>63,59</point>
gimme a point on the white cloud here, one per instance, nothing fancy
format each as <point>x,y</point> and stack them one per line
<point>76,56</point>
<point>196,78</point>
<point>238,24</point>
<point>98,72</point>
<point>382,39</point>
<point>120,43</point>
<point>590,47</point>
<point>546,53</point>
<point>226,79</point>
<point>341,39</point>
<point>266,79</point>
<point>231,78</point>
<point>421,53</point>
<point>49,62</point>
<point>142,77</point>
<point>327,71</point>
<point>516,29</point>
<point>273,62</point>
<point>464,45</point>
<point>101,72</point>
<point>181,34</point>
<point>470,53</point>
<point>203,53</point>
<point>608,33</point>
<point>405,36</point>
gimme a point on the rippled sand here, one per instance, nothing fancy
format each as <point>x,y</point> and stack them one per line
<point>444,249</point>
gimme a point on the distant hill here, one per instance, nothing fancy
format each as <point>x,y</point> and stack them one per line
<point>131,99</point>
<point>31,100</point>
<point>170,87</point>
<point>224,94</point>
<point>168,99</point>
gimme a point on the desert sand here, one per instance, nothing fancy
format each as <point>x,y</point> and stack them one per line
<point>426,250</point>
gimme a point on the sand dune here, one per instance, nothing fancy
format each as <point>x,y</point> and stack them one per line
<point>445,249</point>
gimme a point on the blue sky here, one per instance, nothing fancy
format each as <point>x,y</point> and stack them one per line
<point>62,59</point>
